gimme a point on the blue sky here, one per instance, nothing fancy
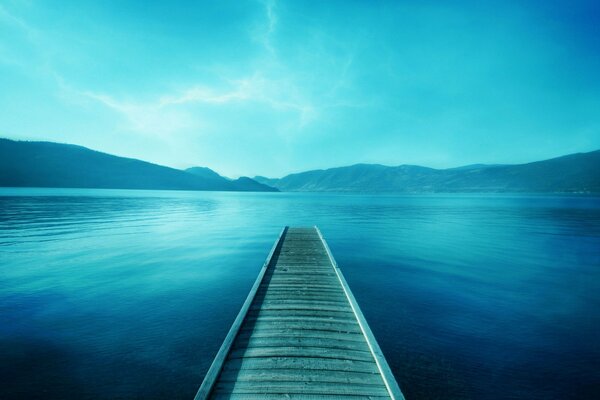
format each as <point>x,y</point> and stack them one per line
<point>272,87</point>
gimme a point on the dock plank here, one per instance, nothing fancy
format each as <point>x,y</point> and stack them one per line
<point>296,341</point>
<point>300,387</point>
<point>300,333</point>
<point>301,364</point>
<point>343,377</point>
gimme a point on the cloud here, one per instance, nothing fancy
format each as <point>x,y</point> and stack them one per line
<point>286,94</point>
<point>169,113</point>
<point>265,33</point>
<point>19,37</point>
<point>12,20</point>
<point>146,118</point>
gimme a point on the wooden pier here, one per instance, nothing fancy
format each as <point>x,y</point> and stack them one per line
<point>300,334</point>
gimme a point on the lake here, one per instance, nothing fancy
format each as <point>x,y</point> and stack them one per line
<point>112,294</point>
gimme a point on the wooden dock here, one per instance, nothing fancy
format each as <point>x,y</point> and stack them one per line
<point>300,334</point>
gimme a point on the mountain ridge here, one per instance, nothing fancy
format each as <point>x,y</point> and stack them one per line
<point>578,172</point>
<point>50,164</point>
<point>242,183</point>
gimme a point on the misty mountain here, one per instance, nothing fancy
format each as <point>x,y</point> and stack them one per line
<point>47,164</point>
<point>572,173</point>
<point>206,173</point>
<point>241,184</point>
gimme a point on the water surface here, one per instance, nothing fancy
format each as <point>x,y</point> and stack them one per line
<point>111,294</point>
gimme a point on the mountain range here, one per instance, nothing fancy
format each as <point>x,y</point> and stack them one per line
<point>572,173</point>
<point>48,164</point>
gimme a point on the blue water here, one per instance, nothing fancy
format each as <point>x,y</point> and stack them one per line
<point>111,294</point>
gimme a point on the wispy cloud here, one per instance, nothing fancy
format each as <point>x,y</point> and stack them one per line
<point>170,113</point>
<point>266,84</point>
<point>265,32</point>
<point>7,17</point>
<point>27,36</point>
<point>145,118</point>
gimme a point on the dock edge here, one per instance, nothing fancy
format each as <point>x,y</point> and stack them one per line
<point>217,364</point>
<point>382,365</point>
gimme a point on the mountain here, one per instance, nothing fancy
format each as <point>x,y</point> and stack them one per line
<point>572,173</point>
<point>47,164</point>
<point>206,173</point>
<point>266,181</point>
<point>241,184</point>
<point>250,185</point>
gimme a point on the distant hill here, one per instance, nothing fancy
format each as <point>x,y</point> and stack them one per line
<point>206,173</point>
<point>241,184</point>
<point>46,164</point>
<point>573,173</point>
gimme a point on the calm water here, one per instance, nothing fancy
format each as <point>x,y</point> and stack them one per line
<point>128,294</point>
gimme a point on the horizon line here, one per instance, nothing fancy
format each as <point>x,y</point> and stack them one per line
<point>483,164</point>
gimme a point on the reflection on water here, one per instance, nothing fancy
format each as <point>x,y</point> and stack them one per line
<point>129,294</point>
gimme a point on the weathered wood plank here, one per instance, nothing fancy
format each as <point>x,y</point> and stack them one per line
<point>303,273</point>
<point>292,287</point>
<point>283,341</point>
<point>302,269</point>
<point>317,279</point>
<point>295,286</point>
<point>293,396</point>
<point>382,365</point>
<point>321,352</point>
<point>308,320</point>
<point>319,334</point>
<point>344,377</point>
<point>299,289</point>
<point>324,264</point>
<point>296,330</point>
<point>304,301</point>
<point>301,294</point>
<point>300,334</point>
<point>303,305</point>
<point>300,285</point>
<point>344,313</point>
<point>301,363</point>
<point>298,324</point>
<point>212,375</point>
<point>300,387</point>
